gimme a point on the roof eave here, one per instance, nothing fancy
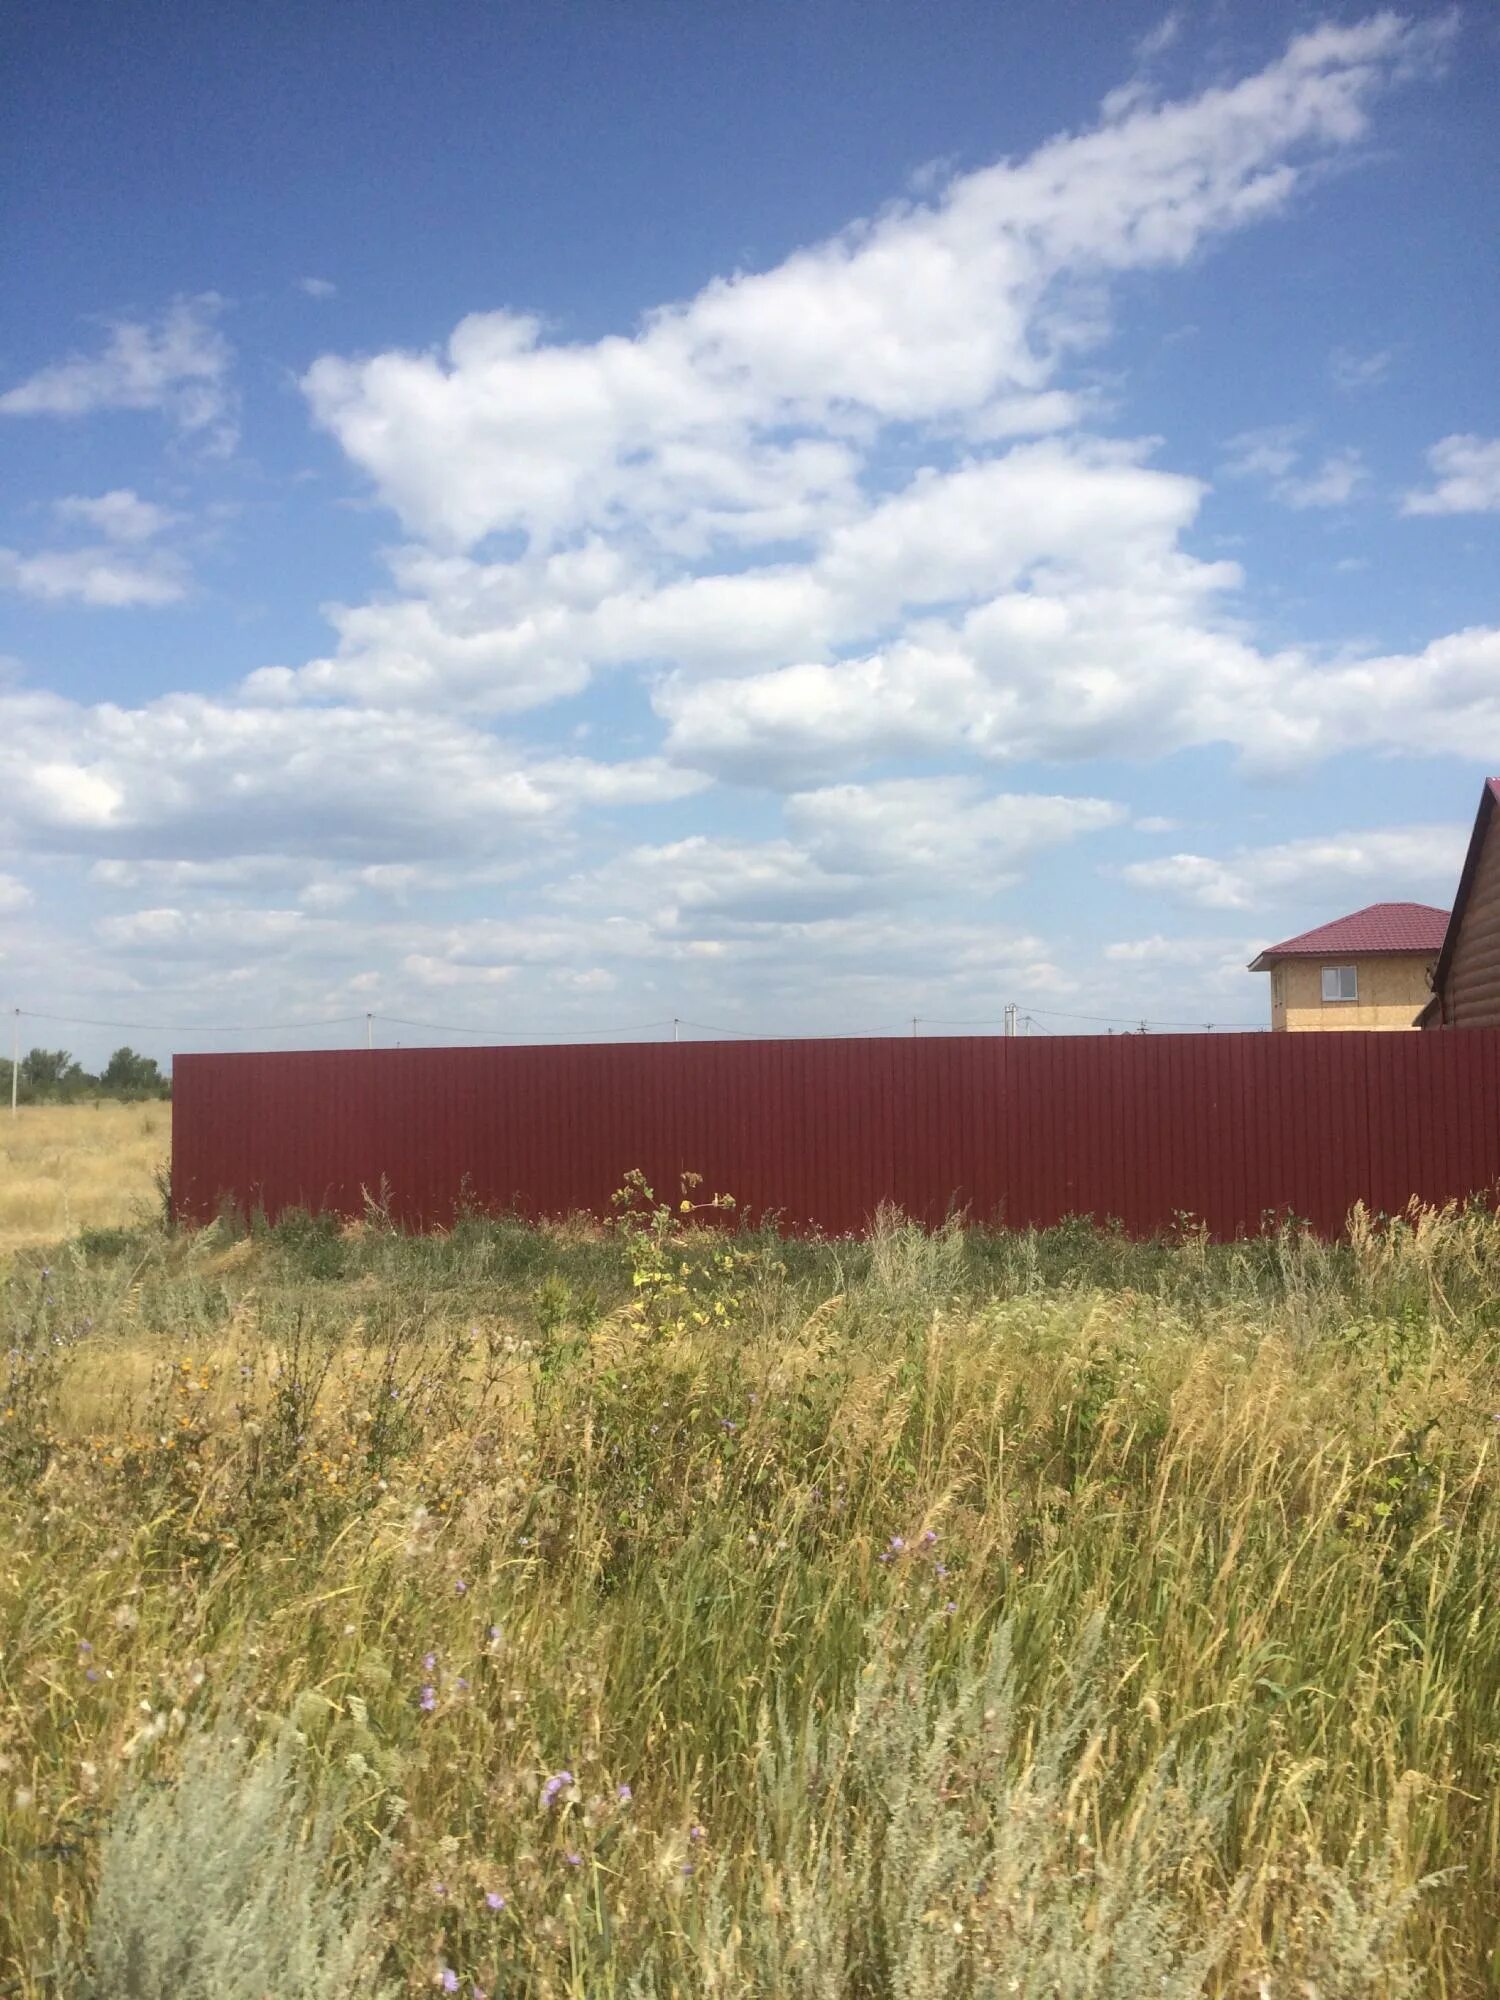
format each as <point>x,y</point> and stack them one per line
<point>1272,957</point>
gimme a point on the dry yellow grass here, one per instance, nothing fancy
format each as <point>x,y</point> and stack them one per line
<point>77,1166</point>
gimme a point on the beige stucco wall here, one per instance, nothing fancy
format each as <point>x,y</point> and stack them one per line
<point>1392,991</point>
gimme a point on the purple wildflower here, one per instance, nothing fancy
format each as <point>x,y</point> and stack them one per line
<point>449,1979</point>
<point>429,1663</point>
<point>459,1586</point>
<point>695,1833</point>
<point>929,1537</point>
<point>624,1794</point>
<point>558,1782</point>
<point>573,1860</point>
<point>429,1700</point>
<point>494,1901</point>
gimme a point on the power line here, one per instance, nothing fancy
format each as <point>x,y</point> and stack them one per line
<point>762,1035</point>
<point>529,1034</point>
<point>1035,1019</point>
<point>1101,1020</point>
<point>182,1028</point>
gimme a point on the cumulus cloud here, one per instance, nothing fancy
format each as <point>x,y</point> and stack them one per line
<point>119,516</point>
<point>937,829</point>
<point>101,576</point>
<point>1467,471</point>
<point>318,288</point>
<point>731,408</point>
<point>1382,864</point>
<point>511,635</point>
<point>178,364</point>
<point>120,571</point>
<point>847,859</point>
<point>1275,455</point>
<point>712,501</point>
<point>832,519</point>
<point>1331,484</point>
<point>187,773</point>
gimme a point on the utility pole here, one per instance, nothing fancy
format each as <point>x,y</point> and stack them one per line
<point>914,1026</point>
<point>15,1060</point>
<point>369,1029</point>
<point>676,1029</point>
<point>1010,1017</point>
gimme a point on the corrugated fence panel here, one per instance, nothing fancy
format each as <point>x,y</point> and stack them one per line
<point>1226,1128</point>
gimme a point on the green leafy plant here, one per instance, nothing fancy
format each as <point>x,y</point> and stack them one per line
<point>684,1274</point>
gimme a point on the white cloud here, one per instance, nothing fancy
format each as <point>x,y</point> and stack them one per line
<point>120,516</point>
<point>187,774</point>
<point>935,312</point>
<point>1263,454</point>
<point>1334,483</point>
<point>1381,865</point>
<point>722,502</point>
<point>847,853</point>
<point>1159,950</point>
<point>179,365</point>
<point>123,570</point>
<point>712,499</point>
<point>1351,369</point>
<point>318,288</point>
<point>1275,455</point>
<point>511,635</point>
<point>104,576</point>
<point>1467,470</point>
<point>1165,35</point>
<point>14,895</point>
<point>938,829</point>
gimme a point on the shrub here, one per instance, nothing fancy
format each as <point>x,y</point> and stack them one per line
<point>221,1886</point>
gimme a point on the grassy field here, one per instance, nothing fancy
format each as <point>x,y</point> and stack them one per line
<point>660,1610</point>
<point>75,1166</point>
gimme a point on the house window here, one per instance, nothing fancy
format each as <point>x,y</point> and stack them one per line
<point>1340,982</point>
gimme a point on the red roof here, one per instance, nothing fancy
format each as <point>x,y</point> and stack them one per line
<point>1382,927</point>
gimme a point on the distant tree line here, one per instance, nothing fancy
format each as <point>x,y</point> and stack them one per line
<point>51,1076</point>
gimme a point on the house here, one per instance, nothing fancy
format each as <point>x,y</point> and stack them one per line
<point>1367,970</point>
<point>1466,980</point>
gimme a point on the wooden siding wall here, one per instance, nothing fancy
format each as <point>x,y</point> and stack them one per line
<point>1226,1128</point>
<point>1472,997</point>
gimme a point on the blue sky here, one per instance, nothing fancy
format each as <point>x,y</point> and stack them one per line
<point>790,517</point>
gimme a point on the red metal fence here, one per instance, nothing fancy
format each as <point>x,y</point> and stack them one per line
<point>1226,1128</point>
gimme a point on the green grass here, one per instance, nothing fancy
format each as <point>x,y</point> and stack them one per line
<point>969,1614</point>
